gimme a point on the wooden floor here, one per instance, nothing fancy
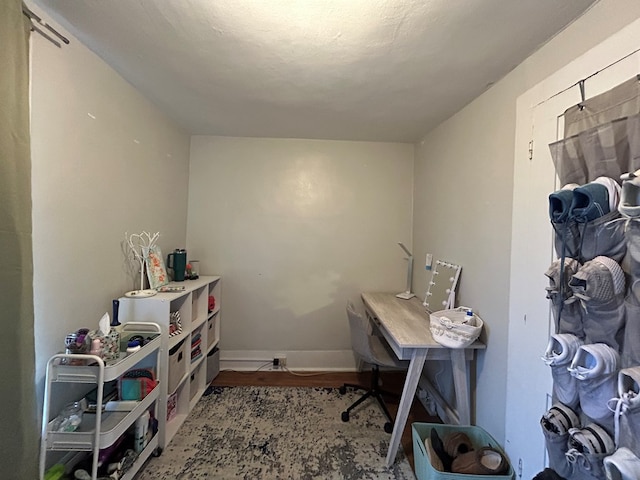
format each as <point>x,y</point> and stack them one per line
<point>391,381</point>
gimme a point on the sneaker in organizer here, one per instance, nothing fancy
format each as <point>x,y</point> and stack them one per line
<point>596,367</point>
<point>599,284</point>
<point>622,465</point>
<point>556,423</point>
<point>559,419</point>
<point>587,448</point>
<point>626,408</point>
<point>567,236</point>
<point>560,351</point>
<point>598,280</point>
<point>567,312</point>
<point>629,205</point>
<point>592,439</point>
<point>560,203</point>
<point>594,200</point>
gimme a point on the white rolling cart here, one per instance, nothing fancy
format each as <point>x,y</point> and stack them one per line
<point>101,429</point>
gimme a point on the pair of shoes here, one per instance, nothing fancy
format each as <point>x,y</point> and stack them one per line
<point>622,465</point>
<point>483,461</point>
<point>571,447</point>
<point>580,217</point>
<point>584,203</point>
<point>583,375</point>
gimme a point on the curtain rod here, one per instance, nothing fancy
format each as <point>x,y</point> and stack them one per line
<point>39,22</point>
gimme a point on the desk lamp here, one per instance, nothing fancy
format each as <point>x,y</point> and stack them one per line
<point>406,295</point>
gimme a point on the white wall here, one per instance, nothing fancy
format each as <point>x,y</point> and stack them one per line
<point>105,161</point>
<point>296,227</point>
<point>463,195</point>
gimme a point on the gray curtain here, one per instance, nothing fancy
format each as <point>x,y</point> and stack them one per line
<point>18,416</point>
<point>602,136</point>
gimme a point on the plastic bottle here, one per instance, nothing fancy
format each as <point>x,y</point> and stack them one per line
<point>141,429</point>
<point>469,318</point>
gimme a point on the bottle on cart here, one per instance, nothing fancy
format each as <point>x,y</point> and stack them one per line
<point>141,429</point>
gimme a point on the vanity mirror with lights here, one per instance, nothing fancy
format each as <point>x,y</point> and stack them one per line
<point>441,291</point>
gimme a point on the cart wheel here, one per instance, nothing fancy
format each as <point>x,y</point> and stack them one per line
<point>157,452</point>
<point>388,427</point>
<point>345,416</point>
<point>342,390</point>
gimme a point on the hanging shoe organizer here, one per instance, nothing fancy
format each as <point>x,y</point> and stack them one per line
<point>594,286</point>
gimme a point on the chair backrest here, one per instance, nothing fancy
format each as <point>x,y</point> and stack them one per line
<point>358,326</point>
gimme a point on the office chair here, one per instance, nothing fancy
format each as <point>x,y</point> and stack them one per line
<point>372,350</point>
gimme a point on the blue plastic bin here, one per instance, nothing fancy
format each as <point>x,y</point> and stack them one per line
<point>426,471</point>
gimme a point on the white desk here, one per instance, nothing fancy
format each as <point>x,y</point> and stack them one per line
<point>405,325</point>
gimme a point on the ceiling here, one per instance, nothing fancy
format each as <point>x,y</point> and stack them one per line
<point>378,70</point>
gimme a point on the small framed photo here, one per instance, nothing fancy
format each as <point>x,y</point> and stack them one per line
<point>156,271</point>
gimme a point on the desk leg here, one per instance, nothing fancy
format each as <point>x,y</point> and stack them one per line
<point>459,366</point>
<point>413,375</point>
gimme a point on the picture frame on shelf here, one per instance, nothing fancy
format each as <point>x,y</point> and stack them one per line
<point>156,270</point>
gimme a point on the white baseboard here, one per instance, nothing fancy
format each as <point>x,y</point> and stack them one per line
<point>315,360</point>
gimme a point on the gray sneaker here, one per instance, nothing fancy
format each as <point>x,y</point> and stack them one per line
<point>596,368</point>
<point>622,465</point>
<point>560,351</point>
<point>600,286</point>
<point>626,409</point>
<point>629,205</point>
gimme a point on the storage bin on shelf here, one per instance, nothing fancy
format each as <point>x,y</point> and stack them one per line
<point>211,334</point>
<point>424,469</point>
<point>177,366</point>
<point>193,385</point>
<point>213,364</point>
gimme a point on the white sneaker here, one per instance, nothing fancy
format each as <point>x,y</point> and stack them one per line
<point>592,439</point>
<point>613,188</point>
<point>629,205</point>
<point>596,367</point>
<point>593,361</point>
<point>560,419</point>
<point>586,448</point>
<point>626,408</point>
<point>622,465</point>
<point>560,351</point>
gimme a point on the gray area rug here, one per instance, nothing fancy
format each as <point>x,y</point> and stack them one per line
<point>278,433</point>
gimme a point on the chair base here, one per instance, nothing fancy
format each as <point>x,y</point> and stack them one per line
<point>372,391</point>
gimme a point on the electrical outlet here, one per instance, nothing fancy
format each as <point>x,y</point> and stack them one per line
<point>279,361</point>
